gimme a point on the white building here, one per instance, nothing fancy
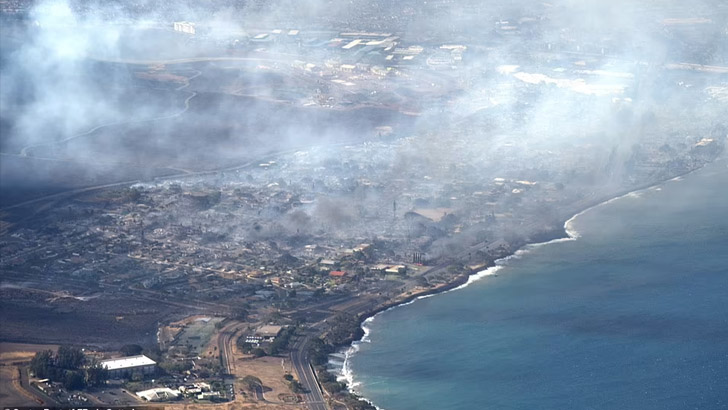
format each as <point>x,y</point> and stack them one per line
<point>184,27</point>
<point>268,332</point>
<point>125,366</point>
<point>158,394</point>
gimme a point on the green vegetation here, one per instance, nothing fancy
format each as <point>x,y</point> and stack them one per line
<point>329,382</point>
<point>67,367</point>
<point>42,363</point>
<point>319,351</point>
<point>258,352</point>
<point>173,366</point>
<point>217,385</point>
<point>296,387</point>
<point>243,345</point>
<point>208,367</point>
<point>344,328</point>
<point>69,357</point>
<point>251,382</point>
<point>96,375</point>
<point>280,343</point>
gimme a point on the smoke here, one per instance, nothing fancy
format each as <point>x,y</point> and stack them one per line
<point>95,92</point>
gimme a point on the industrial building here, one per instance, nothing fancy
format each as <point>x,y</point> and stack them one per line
<point>268,332</point>
<point>125,366</point>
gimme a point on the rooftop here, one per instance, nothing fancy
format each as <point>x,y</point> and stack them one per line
<point>268,331</point>
<point>127,362</point>
<point>158,394</point>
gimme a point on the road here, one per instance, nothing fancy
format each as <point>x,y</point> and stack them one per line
<point>225,341</point>
<point>259,393</point>
<point>191,95</point>
<point>299,359</point>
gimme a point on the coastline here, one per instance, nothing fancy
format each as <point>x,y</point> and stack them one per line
<point>461,281</point>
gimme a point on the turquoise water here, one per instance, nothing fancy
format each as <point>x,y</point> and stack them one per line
<point>631,315</point>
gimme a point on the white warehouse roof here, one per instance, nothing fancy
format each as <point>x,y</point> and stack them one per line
<point>127,362</point>
<point>158,394</point>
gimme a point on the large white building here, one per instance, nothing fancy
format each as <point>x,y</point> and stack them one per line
<point>125,366</point>
<point>158,394</point>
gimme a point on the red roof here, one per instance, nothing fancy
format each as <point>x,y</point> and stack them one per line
<point>337,273</point>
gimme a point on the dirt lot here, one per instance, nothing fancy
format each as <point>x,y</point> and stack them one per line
<point>270,371</point>
<point>233,406</point>
<point>11,355</point>
<point>105,322</point>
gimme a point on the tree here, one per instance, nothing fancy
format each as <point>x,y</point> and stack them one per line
<point>281,341</point>
<point>131,350</point>
<point>258,352</point>
<point>153,353</point>
<point>319,351</point>
<point>334,387</point>
<point>217,385</point>
<point>69,357</point>
<point>175,366</point>
<point>244,346</point>
<point>96,375</point>
<point>343,328</point>
<point>251,382</point>
<point>41,364</point>
<point>74,380</point>
<point>297,387</point>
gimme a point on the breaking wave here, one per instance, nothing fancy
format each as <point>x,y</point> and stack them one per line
<point>572,234</point>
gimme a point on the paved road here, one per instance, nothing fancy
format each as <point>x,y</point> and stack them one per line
<point>259,393</point>
<point>299,358</point>
<point>225,346</point>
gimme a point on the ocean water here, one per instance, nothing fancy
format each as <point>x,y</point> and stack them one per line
<point>632,314</point>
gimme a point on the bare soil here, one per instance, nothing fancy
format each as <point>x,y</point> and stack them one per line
<point>12,357</point>
<point>108,322</point>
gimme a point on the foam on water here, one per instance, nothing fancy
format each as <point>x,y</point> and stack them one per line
<point>478,276</point>
<point>631,201</point>
<point>347,374</point>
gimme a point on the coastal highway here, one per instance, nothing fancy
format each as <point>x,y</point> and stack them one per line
<point>299,359</point>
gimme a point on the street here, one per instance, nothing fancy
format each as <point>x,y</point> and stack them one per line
<point>299,358</point>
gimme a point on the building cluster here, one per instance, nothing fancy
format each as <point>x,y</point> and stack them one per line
<point>197,390</point>
<point>342,220</point>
